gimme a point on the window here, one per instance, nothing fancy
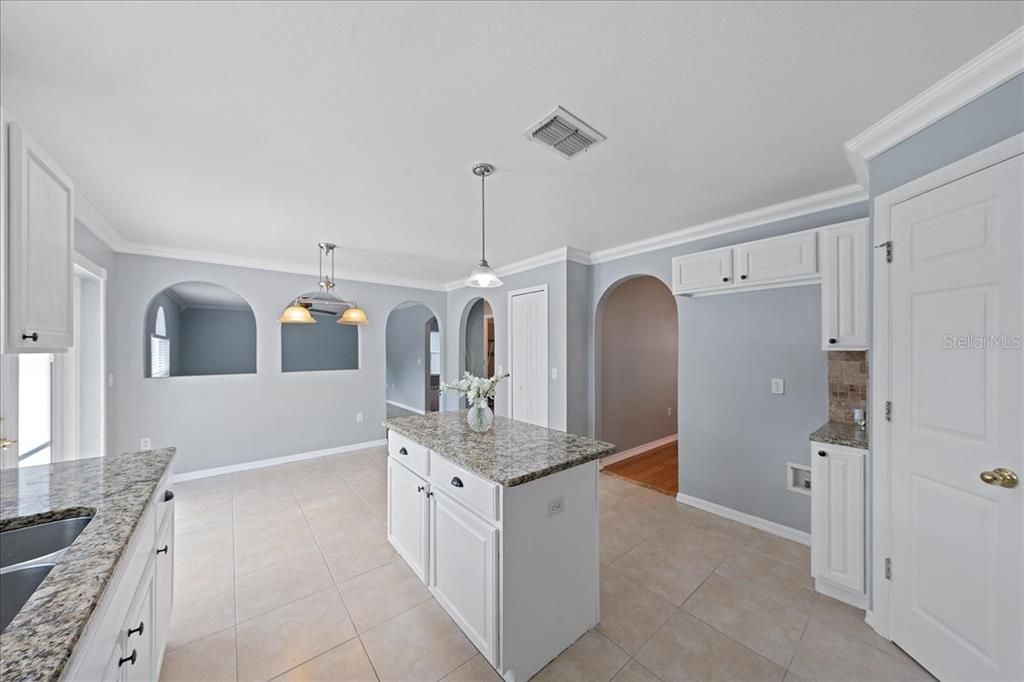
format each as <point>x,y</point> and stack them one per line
<point>160,347</point>
<point>435,352</point>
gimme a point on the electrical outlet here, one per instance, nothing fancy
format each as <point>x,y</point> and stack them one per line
<point>554,373</point>
<point>556,506</point>
<point>146,444</point>
<point>778,386</point>
<point>359,417</point>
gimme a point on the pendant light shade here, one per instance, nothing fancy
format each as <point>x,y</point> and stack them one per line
<point>483,277</point>
<point>353,315</point>
<point>296,314</point>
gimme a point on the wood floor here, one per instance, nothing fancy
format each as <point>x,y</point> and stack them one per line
<point>657,469</point>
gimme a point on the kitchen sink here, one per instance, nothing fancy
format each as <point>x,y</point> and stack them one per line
<point>16,586</point>
<point>39,542</point>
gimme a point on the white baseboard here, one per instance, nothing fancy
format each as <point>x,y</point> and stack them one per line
<point>767,526</point>
<point>406,407</point>
<point>855,599</point>
<point>638,450</point>
<point>274,461</point>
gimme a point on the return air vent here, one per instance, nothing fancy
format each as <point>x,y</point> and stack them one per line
<point>564,133</point>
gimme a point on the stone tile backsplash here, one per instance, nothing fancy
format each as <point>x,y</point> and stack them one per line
<point>847,384</point>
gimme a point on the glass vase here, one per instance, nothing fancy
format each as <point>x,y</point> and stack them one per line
<point>480,417</point>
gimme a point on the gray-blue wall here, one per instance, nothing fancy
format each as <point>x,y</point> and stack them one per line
<point>408,356</point>
<point>319,347</point>
<point>214,341</point>
<point>476,358</point>
<point>172,321</point>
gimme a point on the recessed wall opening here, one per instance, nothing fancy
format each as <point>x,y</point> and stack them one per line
<point>478,340</point>
<point>412,340</point>
<point>637,346</point>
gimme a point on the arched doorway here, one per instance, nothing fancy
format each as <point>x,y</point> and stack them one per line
<point>477,339</point>
<point>412,341</point>
<point>637,347</point>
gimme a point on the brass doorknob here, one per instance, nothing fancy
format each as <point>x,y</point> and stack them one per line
<point>1001,476</point>
<point>6,443</point>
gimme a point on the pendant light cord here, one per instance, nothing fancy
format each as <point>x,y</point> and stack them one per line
<point>483,218</point>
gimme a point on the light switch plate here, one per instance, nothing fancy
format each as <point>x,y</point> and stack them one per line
<point>146,444</point>
<point>359,416</point>
<point>778,386</point>
<point>556,506</point>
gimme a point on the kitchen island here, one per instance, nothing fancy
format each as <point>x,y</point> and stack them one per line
<point>83,619</point>
<point>502,527</point>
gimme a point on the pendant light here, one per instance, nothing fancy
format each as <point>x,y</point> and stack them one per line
<point>483,277</point>
<point>324,299</point>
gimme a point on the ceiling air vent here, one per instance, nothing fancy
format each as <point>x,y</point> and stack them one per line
<point>564,133</point>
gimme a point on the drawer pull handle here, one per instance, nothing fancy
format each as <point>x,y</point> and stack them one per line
<point>128,659</point>
<point>137,631</point>
<point>403,451</point>
<point>743,276</point>
<point>456,482</point>
<point>832,341</point>
<point>168,495</point>
<point>725,279</point>
<point>34,336</point>
<point>822,453</point>
<point>162,550</point>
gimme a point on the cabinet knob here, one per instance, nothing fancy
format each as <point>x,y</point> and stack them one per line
<point>831,340</point>
<point>162,550</point>
<point>822,453</point>
<point>168,495</point>
<point>430,493</point>
<point>128,659</point>
<point>137,631</point>
<point>743,276</point>
<point>403,451</point>
<point>420,488</point>
<point>456,482</point>
<point>34,336</point>
<point>725,279</point>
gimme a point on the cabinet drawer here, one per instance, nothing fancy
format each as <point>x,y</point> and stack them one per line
<point>412,455</point>
<point>475,492</point>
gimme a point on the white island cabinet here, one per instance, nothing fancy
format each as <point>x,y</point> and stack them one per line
<point>502,527</point>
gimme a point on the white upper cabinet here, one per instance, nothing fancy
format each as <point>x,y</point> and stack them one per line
<point>844,286</point>
<point>40,239</point>
<point>790,257</point>
<point>702,271</point>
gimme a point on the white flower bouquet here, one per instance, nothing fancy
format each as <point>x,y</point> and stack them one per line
<point>478,391</point>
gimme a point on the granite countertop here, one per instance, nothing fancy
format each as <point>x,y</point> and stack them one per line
<point>510,453</point>
<point>839,433</point>
<point>115,490</point>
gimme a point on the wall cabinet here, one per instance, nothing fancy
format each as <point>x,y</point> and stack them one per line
<point>127,634</point>
<point>40,241</point>
<point>702,271</point>
<point>838,522</point>
<point>789,259</point>
<point>844,286</point>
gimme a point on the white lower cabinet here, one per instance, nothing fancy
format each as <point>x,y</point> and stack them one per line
<point>463,570</point>
<point>407,516</point>
<point>838,522</point>
<point>126,636</point>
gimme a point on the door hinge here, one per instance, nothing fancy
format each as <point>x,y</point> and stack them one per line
<point>888,410</point>
<point>888,569</point>
<point>888,250</point>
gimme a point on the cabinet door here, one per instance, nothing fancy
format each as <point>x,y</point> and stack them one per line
<point>41,229</point>
<point>463,572</point>
<point>113,671</point>
<point>789,257</point>
<point>407,516</point>
<point>837,515</point>
<point>163,583</point>
<point>139,629</point>
<point>844,286</point>
<point>702,271</point>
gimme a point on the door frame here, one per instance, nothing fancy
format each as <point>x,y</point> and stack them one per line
<point>84,268</point>
<point>880,548</point>
<point>539,288</point>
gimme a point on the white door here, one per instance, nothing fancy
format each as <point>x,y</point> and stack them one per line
<point>706,270</point>
<point>407,516</point>
<point>781,258</point>
<point>844,286</point>
<point>41,229</point>
<point>837,515</point>
<point>528,356</point>
<point>463,571</point>
<point>956,289</point>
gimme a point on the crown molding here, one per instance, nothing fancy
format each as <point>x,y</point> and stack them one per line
<point>834,198</point>
<point>988,70</point>
<point>92,219</point>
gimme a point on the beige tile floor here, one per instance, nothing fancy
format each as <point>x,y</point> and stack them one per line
<point>285,573</point>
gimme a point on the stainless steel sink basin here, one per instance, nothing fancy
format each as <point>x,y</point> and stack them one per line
<point>16,586</point>
<point>40,541</point>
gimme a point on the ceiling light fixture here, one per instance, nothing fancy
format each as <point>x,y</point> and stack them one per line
<point>483,277</point>
<point>323,300</point>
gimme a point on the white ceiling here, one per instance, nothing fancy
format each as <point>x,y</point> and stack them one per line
<point>259,129</point>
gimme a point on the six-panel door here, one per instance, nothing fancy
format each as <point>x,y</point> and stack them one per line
<point>407,516</point>
<point>463,572</point>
